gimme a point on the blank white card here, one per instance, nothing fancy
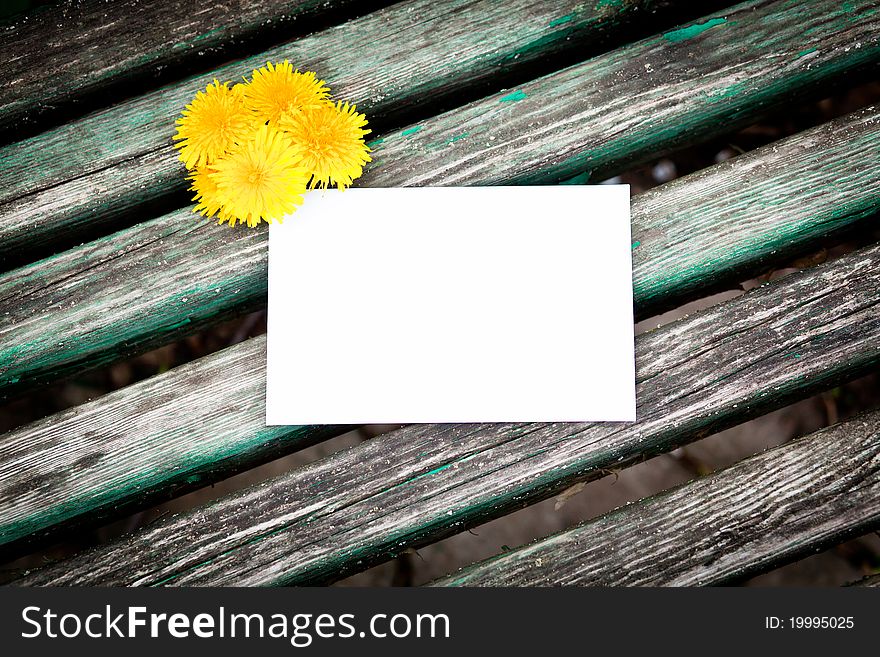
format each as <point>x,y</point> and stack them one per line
<point>468,304</point>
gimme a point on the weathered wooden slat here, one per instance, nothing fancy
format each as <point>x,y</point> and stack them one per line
<point>420,483</point>
<point>763,512</point>
<point>872,581</point>
<point>184,429</point>
<point>149,284</point>
<point>62,56</point>
<point>406,60</point>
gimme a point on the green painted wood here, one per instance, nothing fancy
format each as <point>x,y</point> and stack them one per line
<point>117,164</point>
<point>132,448</point>
<point>763,512</point>
<point>69,55</point>
<point>90,306</point>
<point>363,505</point>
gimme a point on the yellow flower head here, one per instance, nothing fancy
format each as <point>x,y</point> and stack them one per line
<point>254,148</point>
<point>260,179</point>
<point>330,141</point>
<point>279,88</point>
<point>211,124</point>
<point>207,197</point>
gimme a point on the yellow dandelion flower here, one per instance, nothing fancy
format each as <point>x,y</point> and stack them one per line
<point>330,140</point>
<point>212,124</point>
<point>260,179</point>
<point>206,198</point>
<point>279,88</point>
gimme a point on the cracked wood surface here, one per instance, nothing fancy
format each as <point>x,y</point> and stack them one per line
<point>117,164</point>
<point>808,331</point>
<point>160,280</point>
<point>782,505</point>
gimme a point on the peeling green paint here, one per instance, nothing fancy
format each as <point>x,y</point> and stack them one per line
<point>177,325</point>
<point>455,138</point>
<point>541,44</point>
<point>602,4</point>
<point>375,142</point>
<point>411,131</point>
<point>636,245</point>
<point>562,20</point>
<point>514,97</point>
<point>805,52</point>
<point>689,32</point>
<point>580,179</point>
<point>727,93</point>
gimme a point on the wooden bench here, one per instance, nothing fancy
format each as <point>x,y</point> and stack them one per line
<point>103,260</point>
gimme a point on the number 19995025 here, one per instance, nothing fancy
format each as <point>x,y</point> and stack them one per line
<point>821,622</point>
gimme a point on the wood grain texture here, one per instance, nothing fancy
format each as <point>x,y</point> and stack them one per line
<point>127,450</point>
<point>423,482</point>
<point>401,61</point>
<point>765,511</point>
<point>871,581</point>
<point>162,279</point>
<point>61,56</point>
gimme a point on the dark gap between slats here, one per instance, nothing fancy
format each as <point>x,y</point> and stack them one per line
<point>847,96</point>
<point>780,124</point>
<point>13,10</point>
<point>870,580</point>
<point>846,241</point>
<point>828,248</point>
<point>174,199</point>
<point>837,566</point>
<point>47,400</point>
